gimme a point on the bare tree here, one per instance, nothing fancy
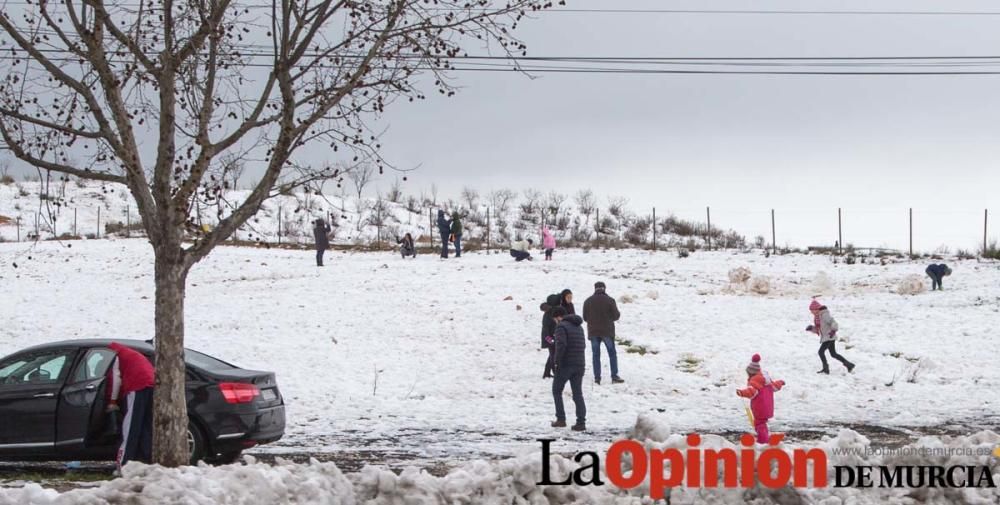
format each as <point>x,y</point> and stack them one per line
<point>152,96</point>
<point>361,176</point>
<point>434,195</point>
<point>532,200</point>
<point>501,199</point>
<point>617,206</point>
<point>471,197</point>
<point>554,203</point>
<point>586,202</point>
<point>395,194</point>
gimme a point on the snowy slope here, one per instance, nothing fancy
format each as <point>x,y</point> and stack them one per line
<point>91,206</point>
<point>425,357</point>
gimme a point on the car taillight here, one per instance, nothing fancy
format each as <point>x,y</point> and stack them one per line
<point>238,392</point>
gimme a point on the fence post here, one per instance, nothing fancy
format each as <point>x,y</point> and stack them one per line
<point>654,228</point>
<point>986,218</point>
<point>18,221</point>
<point>74,222</point>
<point>774,239</point>
<point>128,221</point>
<point>840,233</point>
<point>597,225</point>
<point>708,216</point>
<point>488,234</point>
<point>911,232</point>
<point>430,218</point>
<point>98,234</point>
<point>37,236</point>
<point>378,238</point>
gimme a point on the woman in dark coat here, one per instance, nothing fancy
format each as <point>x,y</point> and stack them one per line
<point>549,329</point>
<point>321,232</point>
<point>566,301</point>
<point>444,229</point>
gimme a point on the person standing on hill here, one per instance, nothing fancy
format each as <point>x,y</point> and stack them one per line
<point>937,273</point>
<point>826,327</point>
<point>570,365</point>
<point>548,243</point>
<point>600,311</point>
<point>321,233</point>
<point>456,233</point>
<point>444,229</point>
<point>130,380</point>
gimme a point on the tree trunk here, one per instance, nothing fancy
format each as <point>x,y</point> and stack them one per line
<point>170,419</point>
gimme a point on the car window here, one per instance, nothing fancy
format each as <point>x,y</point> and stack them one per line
<point>44,367</point>
<point>204,361</point>
<point>94,365</point>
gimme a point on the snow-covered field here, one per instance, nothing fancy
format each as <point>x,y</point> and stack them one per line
<point>427,357</point>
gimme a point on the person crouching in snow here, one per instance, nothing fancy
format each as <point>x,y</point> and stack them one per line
<point>519,250</point>
<point>406,246</point>
<point>825,326</point>
<point>760,390</point>
<point>937,273</point>
<point>548,243</point>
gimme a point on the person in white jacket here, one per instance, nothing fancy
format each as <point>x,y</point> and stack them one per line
<point>519,249</point>
<point>826,327</point>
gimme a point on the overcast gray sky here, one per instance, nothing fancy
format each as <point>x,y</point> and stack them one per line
<point>742,144</point>
<point>804,145</point>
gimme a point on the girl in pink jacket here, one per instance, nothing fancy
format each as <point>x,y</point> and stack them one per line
<point>548,243</point>
<point>760,390</point>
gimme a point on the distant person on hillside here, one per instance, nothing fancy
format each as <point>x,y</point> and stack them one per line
<point>760,390</point>
<point>444,229</point>
<point>826,327</point>
<point>600,311</point>
<point>321,232</point>
<point>548,243</point>
<point>566,301</point>
<point>570,365</point>
<point>548,330</point>
<point>519,249</point>
<point>456,233</point>
<point>406,246</point>
<point>937,273</point>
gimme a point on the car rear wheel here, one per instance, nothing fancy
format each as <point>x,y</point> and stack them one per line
<point>196,443</point>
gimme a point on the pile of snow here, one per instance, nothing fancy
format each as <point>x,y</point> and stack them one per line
<point>626,298</point>
<point>653,295</point>
<point>516,480</point>
<point>911,285</point>
<point>821,283</point>
<point>760,285</point>
<point>739,276</point>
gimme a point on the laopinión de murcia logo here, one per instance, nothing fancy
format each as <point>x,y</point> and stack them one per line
<point>697,467</point>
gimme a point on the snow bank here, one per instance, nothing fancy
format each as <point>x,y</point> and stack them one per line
<point>515,480</point>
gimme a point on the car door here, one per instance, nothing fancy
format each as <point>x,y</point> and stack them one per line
<point>30,384</point>
<point>80,420</point>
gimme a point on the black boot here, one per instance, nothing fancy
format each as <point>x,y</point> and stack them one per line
<point>558,424</point>
<point>824,370</point>
<point>617,380</point>
<point>579,427</point>
<point>850,367</point>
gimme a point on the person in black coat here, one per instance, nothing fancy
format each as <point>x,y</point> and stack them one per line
<point>444,229</point>
<point>321,232</point>
<point>548,330</point>
<point>937,273</point>
<point>566,301</point>
<point>570,365</point>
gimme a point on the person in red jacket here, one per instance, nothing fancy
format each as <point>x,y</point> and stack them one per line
<point>130,381</point>
<point>760,390</point>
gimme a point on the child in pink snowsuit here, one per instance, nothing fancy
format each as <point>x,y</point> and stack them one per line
<point>548,243</point>
<point>760,390</point>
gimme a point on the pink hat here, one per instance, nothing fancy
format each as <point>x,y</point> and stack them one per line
<point>754,366</point>
<point>815,305</point>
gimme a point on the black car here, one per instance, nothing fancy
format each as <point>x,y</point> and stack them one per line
<point>52,404</point>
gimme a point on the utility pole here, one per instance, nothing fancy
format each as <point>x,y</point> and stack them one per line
<point>708,216</point>
<point>774,240</point>
<point>840,233</point>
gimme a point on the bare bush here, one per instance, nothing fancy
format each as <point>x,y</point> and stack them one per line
<point>617,206</point>
<point>470,196</point>
<point>586,203</point>
<point>395,193</point>
<point>501,199</point>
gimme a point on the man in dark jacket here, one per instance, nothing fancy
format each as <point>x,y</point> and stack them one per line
<point>131,379</point>
<point>321,232</point>
<point>937,273</point>
<point>456,232</point>
<point>600,312</point>
<point>444,229</point>
<point>570,365</point>
<point>548,330</point>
